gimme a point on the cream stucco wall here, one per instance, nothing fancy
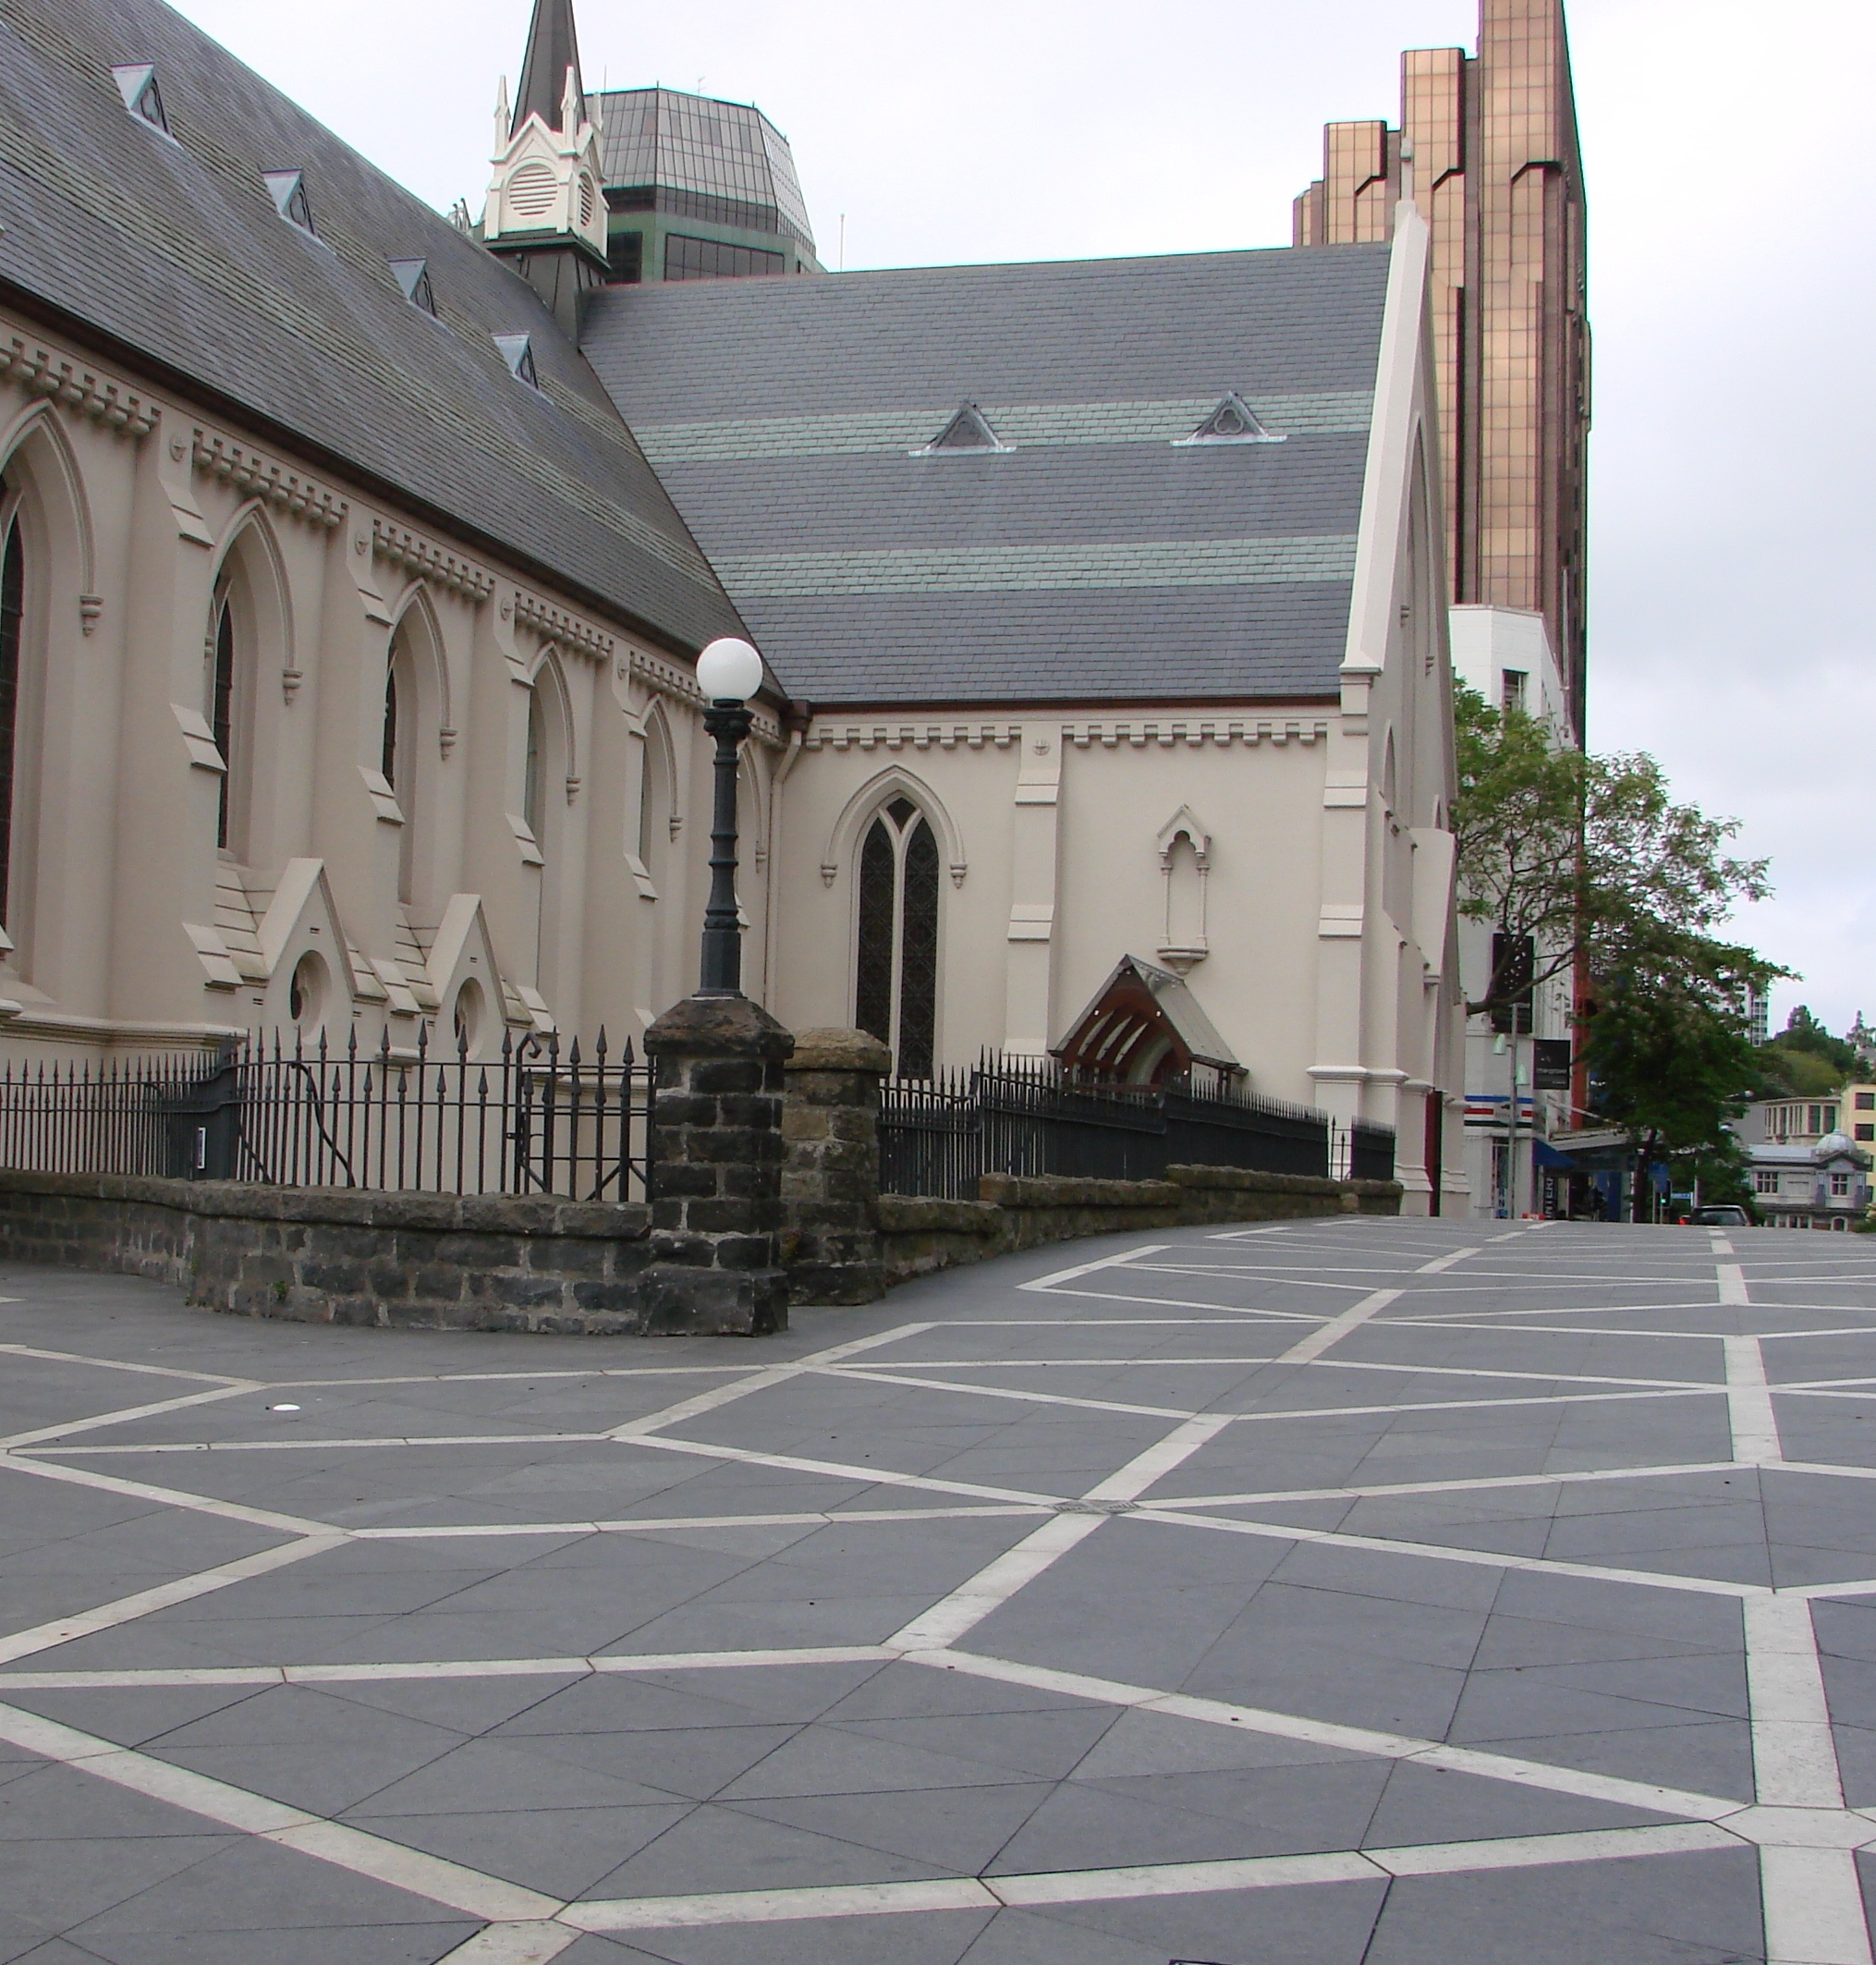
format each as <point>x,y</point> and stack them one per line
<point>1328,958</point>
<point>128,923</point>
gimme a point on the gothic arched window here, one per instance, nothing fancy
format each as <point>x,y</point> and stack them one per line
<point>534,781</point>
<point>12,620</point>
<point>389,764</point>
<point>221,695</point>
<point>896,978</point>
<point>398,758</point>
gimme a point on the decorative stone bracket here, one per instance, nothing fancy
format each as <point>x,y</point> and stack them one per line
<point>39,371</point>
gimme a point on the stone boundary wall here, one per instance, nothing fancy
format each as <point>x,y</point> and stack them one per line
<point>336,1255</point>
<point>919,1236</point>
<point>767,1194</point>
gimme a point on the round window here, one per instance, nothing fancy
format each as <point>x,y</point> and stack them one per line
<point>306,992</point>
<point>467,1015</point>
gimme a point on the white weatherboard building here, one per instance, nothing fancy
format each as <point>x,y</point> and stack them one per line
<point>351,605</point>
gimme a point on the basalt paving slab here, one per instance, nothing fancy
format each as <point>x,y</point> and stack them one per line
<point>1363,1591</point>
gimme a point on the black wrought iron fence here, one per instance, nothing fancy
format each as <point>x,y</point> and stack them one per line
<point>537,1118</point>
<point>938,1135</point>
<point>1362,1150</point>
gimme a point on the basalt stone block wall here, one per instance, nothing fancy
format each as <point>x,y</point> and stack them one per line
<point>717,1214</point>
<point>918,1236</point>
<point>830,1173</point>
<point>336,1255</point>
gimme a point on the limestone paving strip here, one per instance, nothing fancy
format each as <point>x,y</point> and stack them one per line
<point>124,1415</point>
<point>1147,1880</point>
<point>1812,1895</point>
<point>177,1497</point>
<point>965,1607</point>
<point>183,1589</point>
<point>115,1364</point>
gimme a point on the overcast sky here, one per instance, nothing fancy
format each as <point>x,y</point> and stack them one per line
<point>1733,289</point>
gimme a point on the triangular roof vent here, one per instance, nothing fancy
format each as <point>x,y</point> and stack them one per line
<point>967,430</point>
<point>517,352</point>
<point>413,276</point>
<point>1233,421</point>
<point>137,84</point>
<point>288,191</point>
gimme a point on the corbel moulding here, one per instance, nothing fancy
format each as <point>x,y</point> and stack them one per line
<point>42,371</point>
<point>286,490</point>
<point>912,737</point>
<point>668,680</point>
<point>1222,731</point>
<point>565,631</point>
<point>427,561</point>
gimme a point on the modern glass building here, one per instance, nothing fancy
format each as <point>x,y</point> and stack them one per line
<point>698,188</point>
<point>1489,143</point>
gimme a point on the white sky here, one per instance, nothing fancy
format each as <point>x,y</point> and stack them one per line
<point>1733,286</point>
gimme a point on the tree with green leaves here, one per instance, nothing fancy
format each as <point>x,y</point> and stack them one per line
<point>1805,1061</point>
<point>1589,862</point>
<point>1590,856</point>
<point>1670,1070</point>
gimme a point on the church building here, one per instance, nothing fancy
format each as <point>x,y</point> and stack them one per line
<point>357,559</point>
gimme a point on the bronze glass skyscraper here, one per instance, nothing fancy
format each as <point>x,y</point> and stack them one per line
<point>1487,148</point>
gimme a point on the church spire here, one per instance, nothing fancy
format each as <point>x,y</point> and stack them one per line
<point>546,208</point>
<point>552,55</point>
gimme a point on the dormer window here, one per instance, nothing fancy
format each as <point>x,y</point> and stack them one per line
<point>289,190</point>
<point>517,352</point>
<point>1233,421</point>
<point>137,84</point>
<point>967,430</point>
<point>413,276</point>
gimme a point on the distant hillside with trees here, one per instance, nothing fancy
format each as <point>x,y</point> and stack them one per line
<point>1805,1061</point>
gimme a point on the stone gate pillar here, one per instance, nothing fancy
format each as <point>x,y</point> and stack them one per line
<point>716,1141</point>
<point>831,1175</point>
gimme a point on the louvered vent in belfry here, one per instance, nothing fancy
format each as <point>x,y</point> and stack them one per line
<point>530,190</point>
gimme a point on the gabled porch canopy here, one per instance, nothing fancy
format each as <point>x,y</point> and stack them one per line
<point>1143,1027</point>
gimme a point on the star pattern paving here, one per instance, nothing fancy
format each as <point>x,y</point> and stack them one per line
<point>1323,1593</point>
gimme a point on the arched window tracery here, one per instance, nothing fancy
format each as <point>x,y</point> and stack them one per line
<point>895,970</point>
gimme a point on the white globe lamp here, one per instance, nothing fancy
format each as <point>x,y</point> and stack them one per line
<point>729,670</point>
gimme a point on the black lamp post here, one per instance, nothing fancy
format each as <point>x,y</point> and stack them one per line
<point>729,672</point>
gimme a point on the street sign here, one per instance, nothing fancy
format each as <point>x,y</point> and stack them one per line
<point>1550,1064</point>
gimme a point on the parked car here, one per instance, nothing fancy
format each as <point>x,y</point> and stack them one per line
<point>1721,1217</point>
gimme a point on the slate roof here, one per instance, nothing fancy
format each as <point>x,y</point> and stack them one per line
<point>1093,555</point>
<point>174,253</point>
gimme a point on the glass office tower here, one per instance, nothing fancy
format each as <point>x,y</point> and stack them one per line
<point>1496,173</point>
<point>697,190</point>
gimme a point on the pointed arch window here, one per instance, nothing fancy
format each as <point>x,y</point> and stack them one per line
<point>220,693</point>
<point>397,757</point>
<point>12,630</point>
<point>896,976</point>
<point>389,761</point>
<point>533,804</point>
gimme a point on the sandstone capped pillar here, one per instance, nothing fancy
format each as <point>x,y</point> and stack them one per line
<point>831,1175</point>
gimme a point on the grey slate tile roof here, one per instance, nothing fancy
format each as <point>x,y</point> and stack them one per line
<point>174,252</point>
<point>1095,558</point>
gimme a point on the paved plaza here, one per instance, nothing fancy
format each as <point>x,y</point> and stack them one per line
<point>1364,1593</point>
